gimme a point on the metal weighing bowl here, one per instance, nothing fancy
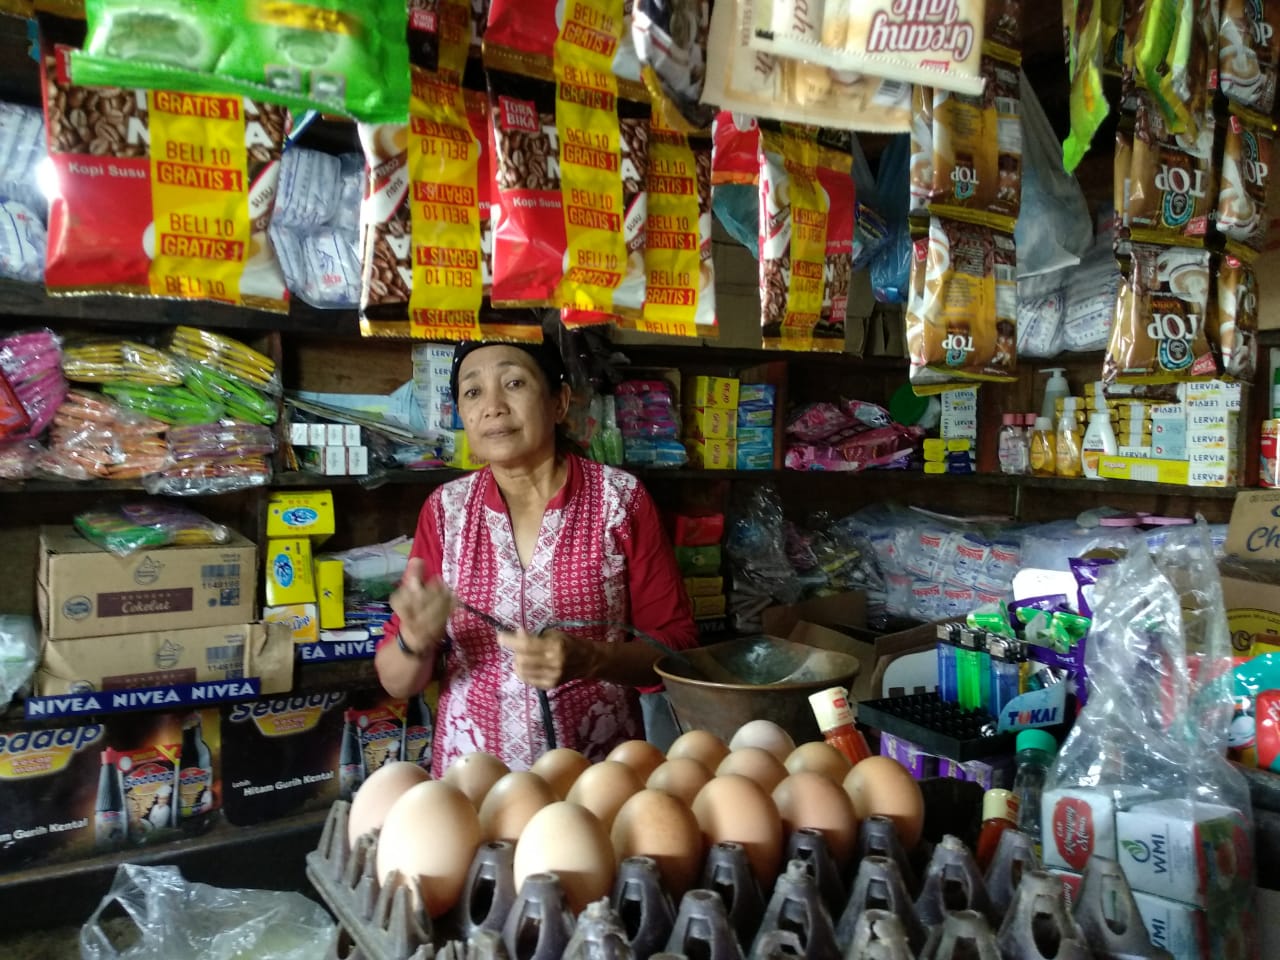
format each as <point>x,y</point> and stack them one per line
<point>720,687</point>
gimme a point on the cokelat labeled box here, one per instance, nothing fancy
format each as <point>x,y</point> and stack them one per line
<point>1078,822</point>
<point>1195,853</point>
<point>84,591</point>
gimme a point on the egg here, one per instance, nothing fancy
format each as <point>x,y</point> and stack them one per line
<point>640,755</point>
<point>734,808</point>
<point>377,794</point>
<point>511,803</point>
<point>754,763</point>
<point>821,757</point>
<point>882,786</point>
<point>653,823</point>
<point>430,835</point>
<point>810,800</point>
<point>569,841</point>
<point>682,777</point>
<point>700,745</point>
<point>764,734</point>
<point>604,787</point>
<point>560,767</point>
<point>475,774</point>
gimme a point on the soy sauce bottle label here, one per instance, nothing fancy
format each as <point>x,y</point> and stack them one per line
<point>195,772</point>
<point>110,827</point>
<point>419,732</point>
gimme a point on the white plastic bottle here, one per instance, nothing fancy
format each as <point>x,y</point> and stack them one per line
<point>1011,446</point>
<point>1055,389</point>
<point>1099,441</point>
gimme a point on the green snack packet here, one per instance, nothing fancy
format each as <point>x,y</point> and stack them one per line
<point>1088,103</point>
<point>348,58</point>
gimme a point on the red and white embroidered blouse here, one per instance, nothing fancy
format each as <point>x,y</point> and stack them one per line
<point>601,554</point>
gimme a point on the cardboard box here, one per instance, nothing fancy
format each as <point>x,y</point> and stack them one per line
<point>66,795</point>
<point>838,623</point>
<point>704,586</point>
<point>712,454</point>
<point>164,657</point>
<point>1176,927</point>
<point>1196,853</point>
<point>1254,531</point>
<point>331,590</point>
<point>710,423</point>
<point>289,574</point>
<point>302,619</point>
<point>1251,594</point>
<point>1078,822</point>
<point>1151,471</point>
<point>84,591</point>
<point>303,514</point>
<point>720,392</point>
<point>704,607</point>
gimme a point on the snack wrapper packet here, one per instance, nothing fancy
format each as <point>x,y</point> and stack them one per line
<point>131,527</point>
<point>1249,53</point>
<point>760,84</point>
<point>23,238</point>
<point>806,238</point>
<point>315,227</point>
<point>318,55</point>
<point>1233,319</point>
<point>93,438</point>
<point>1082,27</point>
<point>31,364</point>
<point>1147,755</point>
<point>160,194</point>
<point>937,43</point>
<point>101,360</point>
<point>1247,157</point>
<point>671,44</point>
<point>1172,179</point>
<point>961,317</point>
<point>1159,334</point>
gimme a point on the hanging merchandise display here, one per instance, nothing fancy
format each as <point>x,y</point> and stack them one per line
<point>161,194</point>
<point>933,43</point>
<point>322,54</point>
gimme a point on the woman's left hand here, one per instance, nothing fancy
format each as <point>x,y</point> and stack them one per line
<point>550,658</point>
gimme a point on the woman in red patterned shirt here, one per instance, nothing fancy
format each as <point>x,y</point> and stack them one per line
<point>537,538</point>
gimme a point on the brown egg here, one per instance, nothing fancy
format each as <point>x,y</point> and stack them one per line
<point>754,763</point>
<point>640,755</point>
<point>700,745</point>
<point>430,836</point>
<point>511,803</point>
<point>682,777</point>
<point>764,734</point>
<point>736,809</point>
<point>603,788</point>
<point>475,774</point>
<point>882,786</point>
<point>656,824</point>
<point>818,756</point>
<point>567,840</point>
<point>809,799</point>
<point>377,795</point>
<point>560,767</point>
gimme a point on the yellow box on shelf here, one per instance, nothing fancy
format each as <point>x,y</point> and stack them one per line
<point>301,618</point>
<point>721,392</point>
<point>300,514</point>
<point>1174,472</point>
<point>704,586</point>
<point>709,606</point>
<point>289,575</point>
<point>712,454</point>
<point>711,423</point>
<point>462,457</point>
<point>330,590</point>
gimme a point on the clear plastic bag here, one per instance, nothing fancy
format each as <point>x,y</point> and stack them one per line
<point>756,545</point>
<point>19,654</point>
<point>205,476</point>
<point>1149,747</point>
<point>93,437</point>
<point>135,526</point>
<point>891,267</point>
<point>179,920</point>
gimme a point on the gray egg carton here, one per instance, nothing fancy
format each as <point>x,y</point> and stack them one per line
<point>377,922</point>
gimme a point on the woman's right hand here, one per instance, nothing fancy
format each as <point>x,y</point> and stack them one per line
<point>423,608</point>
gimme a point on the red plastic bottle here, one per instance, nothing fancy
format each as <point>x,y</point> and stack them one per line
<point>999,813</point>
<point>835,716</point>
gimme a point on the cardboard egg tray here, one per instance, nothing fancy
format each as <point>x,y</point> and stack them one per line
<point>379,922</point>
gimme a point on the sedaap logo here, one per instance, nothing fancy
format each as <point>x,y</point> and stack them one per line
<point>282,705</point>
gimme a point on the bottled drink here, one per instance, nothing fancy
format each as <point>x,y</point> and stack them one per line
<point>835,716</point>
<point>350,758</point>
<point>1009,444</point>
<point>419,733</point>
<point>109,822</point>
<point>1043,453</point>
<point>195,775</point>
<point>1036,750</point>
<point>999,813</point>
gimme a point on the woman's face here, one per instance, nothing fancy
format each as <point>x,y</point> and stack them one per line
<point>506,407</point>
